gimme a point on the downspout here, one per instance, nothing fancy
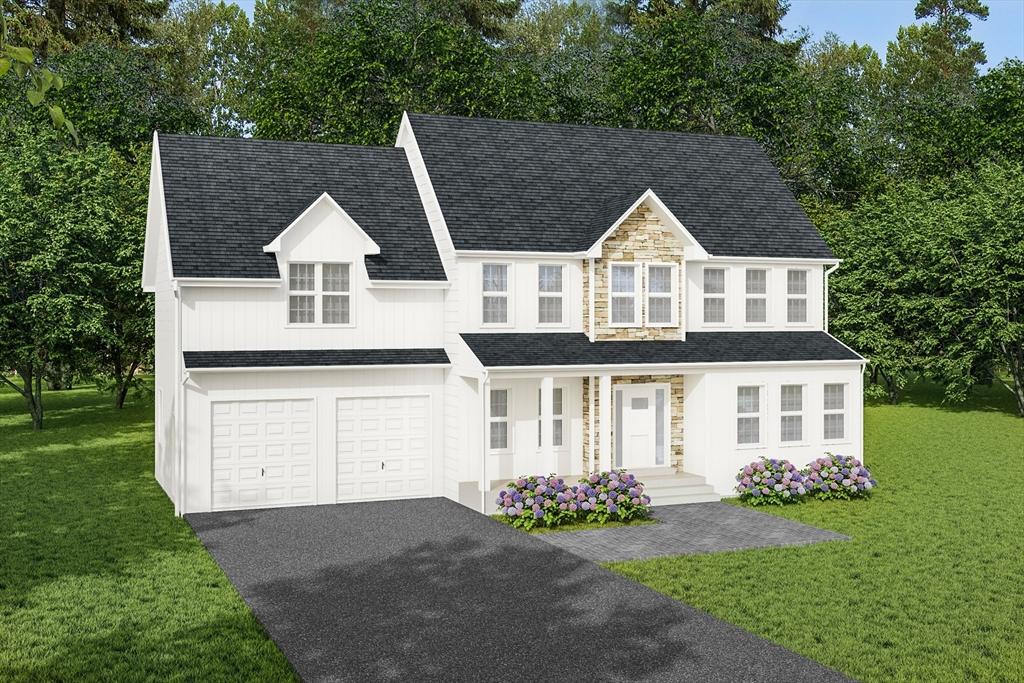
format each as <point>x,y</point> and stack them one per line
<point>828,270</point>
<point>485,396</point>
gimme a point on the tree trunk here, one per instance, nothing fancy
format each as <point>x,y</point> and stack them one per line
<point>32,391</point>
<point>124,383</point>
<point>1014,355</point>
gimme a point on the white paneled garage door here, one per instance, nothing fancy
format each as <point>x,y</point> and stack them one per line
<point>384,448</point>
<point>264,453</point>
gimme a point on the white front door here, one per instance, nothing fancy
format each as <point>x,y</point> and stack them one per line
<point>641,425</point>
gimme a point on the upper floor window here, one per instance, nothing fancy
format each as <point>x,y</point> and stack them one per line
<point>757,295</point>
<point>556,418</point>
<point>495,293</point>
<point>714,295</point>
<point>661,294</point>
<point>319,293</point>
<point>835,412</point>
<point>625,294</point>
<point>796,296</point>
<point>550,294</point>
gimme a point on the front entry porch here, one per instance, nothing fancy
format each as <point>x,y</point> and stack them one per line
<point>571,425</point>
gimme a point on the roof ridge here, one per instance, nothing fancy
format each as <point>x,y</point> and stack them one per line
<point>587,126</point>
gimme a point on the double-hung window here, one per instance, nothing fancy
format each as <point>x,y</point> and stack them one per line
<point>748,416</point>
<point>556,418</point>
<point>835,412</point>
<point>319,293</point>
<point>714,295</point>
<point>625,295</point>
<point>796,296</point>
<point>661,295</point>
<point>757,295</point>
<point>550,294</point>
<point>495,293</point>
<point>499,420</point>
<point>791,425</point>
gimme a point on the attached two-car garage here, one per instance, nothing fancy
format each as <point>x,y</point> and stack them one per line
<point>295,437</point>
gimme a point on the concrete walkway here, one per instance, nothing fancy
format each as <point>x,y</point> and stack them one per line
<point>688,530</point>
<point>425,590</point>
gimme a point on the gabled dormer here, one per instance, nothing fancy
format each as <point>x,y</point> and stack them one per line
<point>634,273</point>
<point>320,256</point>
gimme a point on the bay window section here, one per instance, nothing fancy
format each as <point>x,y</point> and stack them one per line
<point>495,293</point>
<point>550,294</point>
<point>660,295</point>
<point>796,296</point>
<point>714,295</point>
<point>624,295</point>
<point>757,295</point>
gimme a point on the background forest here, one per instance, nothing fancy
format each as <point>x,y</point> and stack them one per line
<point>910,163</point>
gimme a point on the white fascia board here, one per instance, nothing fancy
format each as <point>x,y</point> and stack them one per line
<point>371,247</point>
<point>697,252</point>
<point>845,346</point>
<point>320,368</point>
<point>227,282</point>
<point>153,232</point>
<point>775,259</point>
<point>409,284</point>
<point>525,371</point>
<point>496,253</point>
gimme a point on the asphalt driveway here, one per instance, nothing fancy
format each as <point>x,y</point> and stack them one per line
<point>429,590</point>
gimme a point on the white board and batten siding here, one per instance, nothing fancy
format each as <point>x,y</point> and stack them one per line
<point>263,439</point>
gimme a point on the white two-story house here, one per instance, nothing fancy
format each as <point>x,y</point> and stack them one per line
<point>484,300</point>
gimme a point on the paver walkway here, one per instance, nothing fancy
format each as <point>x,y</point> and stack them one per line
<point>688,530</point>
<point>427,590</point>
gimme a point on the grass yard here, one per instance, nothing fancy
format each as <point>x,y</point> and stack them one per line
<point>98,579</point>
<point>929,589</point>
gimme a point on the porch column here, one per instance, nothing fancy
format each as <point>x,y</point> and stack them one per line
<point>591,426</point>
<point>484,387</point>
<point>605,438</point>
<point>547,398</point>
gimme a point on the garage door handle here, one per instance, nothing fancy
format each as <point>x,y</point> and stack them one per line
<point>263,472</point>
<point>382,464</point>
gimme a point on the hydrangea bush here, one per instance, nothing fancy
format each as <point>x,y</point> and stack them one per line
<point>547,501</point>
<point>839,476</point>
<point>771,482</point>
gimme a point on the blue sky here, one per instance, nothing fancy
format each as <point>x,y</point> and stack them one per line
<point>875,22</point>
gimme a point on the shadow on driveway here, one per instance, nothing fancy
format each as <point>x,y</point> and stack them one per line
<point>428,589</point>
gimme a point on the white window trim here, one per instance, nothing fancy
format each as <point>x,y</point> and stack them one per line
<point>318,296</point>
<point>845,412</point>
<point>507,419</point>
<point>552,295</point>
<point>673,296</point>
<point>802,413</point>
<point>704,295</point>
<point>637,293</point>
<point>805,296</point>
<point>554,416</point>
<point>767,303</point>
<point>507,294</point>
<point>762,400</point>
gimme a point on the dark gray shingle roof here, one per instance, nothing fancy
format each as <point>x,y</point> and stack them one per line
<point>228,197</point>
<point>514,349</point>
<point>195,360</point>
<point>521,186</point>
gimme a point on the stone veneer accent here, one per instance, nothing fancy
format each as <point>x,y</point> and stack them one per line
<point>676,418</point>
<point>641,238</point>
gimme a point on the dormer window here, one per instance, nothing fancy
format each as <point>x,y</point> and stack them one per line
<point>320,293</point>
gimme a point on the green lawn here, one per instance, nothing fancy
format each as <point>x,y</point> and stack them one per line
<point>98,579</point>
<point>931,587</point>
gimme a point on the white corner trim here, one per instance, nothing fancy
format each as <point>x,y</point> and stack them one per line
<point>371,246</point>
<point>649,196</point>
<point>409,284</point>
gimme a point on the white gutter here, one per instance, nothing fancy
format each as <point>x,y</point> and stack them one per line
<point>226,282</point>
<point>773,259</point>
<point>409,284</point>
<point>321,368</point>
<point>655,368</point>
<point>827,271</point>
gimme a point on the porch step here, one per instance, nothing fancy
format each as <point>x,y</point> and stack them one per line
<point>665,485</point>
